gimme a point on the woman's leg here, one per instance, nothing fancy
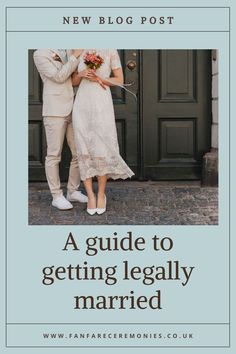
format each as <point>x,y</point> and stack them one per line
<point>102,181</point>
<point>88,184</point>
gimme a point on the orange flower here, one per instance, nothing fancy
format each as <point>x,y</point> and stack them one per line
<point>93,60</point>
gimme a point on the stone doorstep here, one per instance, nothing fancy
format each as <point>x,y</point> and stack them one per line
<point>210,169</point>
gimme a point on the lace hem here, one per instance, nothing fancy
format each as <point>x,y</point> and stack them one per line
<point>114,167</point>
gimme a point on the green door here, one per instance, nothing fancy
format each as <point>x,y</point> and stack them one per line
<point>176,113</point>
<point>36,135</point>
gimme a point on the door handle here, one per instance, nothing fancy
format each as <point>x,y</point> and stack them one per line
<point>131,65</point>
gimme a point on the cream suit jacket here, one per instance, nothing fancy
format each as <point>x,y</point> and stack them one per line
<point>58,93</point>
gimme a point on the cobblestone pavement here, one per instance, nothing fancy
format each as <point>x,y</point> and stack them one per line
<point>133,203</point>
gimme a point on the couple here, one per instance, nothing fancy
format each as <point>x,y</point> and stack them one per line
<point>88,122</point>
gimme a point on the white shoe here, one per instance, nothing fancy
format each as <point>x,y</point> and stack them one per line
<point>100,211</point>
<point>61,203</point>
<point>77,196</point>
<point>91,211</point>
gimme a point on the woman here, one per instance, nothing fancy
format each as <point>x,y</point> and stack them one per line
<point>95,129</point>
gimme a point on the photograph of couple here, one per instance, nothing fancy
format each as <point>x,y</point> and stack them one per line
<point>88,122</point>
<point>127,116</point>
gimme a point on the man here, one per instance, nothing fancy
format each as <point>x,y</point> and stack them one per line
<point>55,69</point>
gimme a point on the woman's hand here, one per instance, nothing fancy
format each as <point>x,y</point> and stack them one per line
<point>92,76</point>
<point>84,74</point>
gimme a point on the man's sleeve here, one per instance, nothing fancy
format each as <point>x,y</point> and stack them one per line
<point>47,68</point>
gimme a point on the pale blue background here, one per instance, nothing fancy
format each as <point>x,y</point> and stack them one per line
<point>23,19</point>
<point>204,299</point>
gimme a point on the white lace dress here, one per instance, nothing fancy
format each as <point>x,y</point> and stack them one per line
<point>94,124</point>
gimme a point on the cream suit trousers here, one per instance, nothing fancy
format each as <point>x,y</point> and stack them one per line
<point>57,128</point>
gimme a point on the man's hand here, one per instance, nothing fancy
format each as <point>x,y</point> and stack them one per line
<point>75,79</point>
<point>76,52</point>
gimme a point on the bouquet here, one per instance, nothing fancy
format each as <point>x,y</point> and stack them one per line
<point>93,60</point>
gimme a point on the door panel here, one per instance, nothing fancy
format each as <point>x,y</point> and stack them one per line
<point>177,73</point>
<point>177,138</point>
<point>176,112</point>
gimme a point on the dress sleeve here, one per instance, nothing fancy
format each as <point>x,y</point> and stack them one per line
<point>115,60</point>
